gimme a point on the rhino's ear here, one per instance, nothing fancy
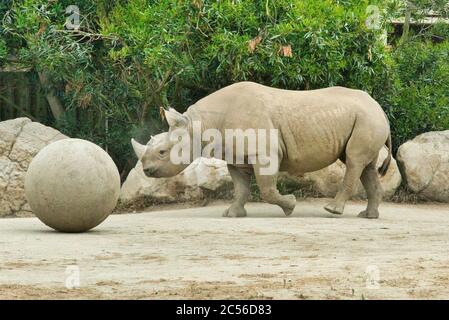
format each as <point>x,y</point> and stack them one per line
<point>139,149</point>
<point>175,119</point>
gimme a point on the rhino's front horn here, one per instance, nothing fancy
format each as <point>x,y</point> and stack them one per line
<point>139,149</point>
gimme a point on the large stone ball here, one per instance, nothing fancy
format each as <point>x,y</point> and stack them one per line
<point>72,185</point>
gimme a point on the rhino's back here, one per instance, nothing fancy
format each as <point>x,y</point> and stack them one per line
<point>253,99</point>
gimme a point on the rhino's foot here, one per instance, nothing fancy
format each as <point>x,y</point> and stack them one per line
<point>291,203</point>
<point>334,208</point>
<point>234,212</point>
<point>369,214</point>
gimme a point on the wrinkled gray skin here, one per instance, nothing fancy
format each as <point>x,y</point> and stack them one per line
<point>316,128</point>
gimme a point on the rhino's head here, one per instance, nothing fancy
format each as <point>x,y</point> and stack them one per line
<point>155,155</point>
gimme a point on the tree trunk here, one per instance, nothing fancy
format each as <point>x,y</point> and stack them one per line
<point>406,27</point>
<point>55,105</point>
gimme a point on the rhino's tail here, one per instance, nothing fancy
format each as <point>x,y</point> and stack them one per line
<point>384,167</point>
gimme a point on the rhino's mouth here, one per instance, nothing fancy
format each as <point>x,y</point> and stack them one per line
<point>151,173</point>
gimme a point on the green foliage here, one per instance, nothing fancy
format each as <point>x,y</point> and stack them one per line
<point>4,6</point>
<point>3,51</point>
<point>182,49</point>
<point>328,41</point>
<point>418,100</point>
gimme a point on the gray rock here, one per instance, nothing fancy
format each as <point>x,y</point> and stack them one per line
<point>20,140</point>
<point>424,163</point>
<point>203,174</point>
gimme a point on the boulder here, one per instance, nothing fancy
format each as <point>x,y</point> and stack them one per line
<point>424,163</point>
<point>325,182</point>
<point>20,140</point>
<point>200,176</point>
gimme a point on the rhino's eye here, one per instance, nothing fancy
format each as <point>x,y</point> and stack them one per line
<point>162,152</point>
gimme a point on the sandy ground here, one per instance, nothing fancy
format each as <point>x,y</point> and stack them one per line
<point>195,253</point>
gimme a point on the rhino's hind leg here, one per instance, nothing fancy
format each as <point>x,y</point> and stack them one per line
<point>241,179</point>
<point>352,176</point>
<point>269,192</point>
<point>371,183</point>
<point>358,155</point>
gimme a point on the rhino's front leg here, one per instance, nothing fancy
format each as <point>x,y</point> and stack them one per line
<point>241,179</point>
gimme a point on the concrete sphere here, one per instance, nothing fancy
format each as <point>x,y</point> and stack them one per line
<point>72,185</point>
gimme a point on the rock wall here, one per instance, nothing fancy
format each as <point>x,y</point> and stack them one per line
<point>20,140</point>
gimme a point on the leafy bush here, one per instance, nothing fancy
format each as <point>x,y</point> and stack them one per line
<point>291,44</point>
<point>418,100</point>
<point>3,51</point>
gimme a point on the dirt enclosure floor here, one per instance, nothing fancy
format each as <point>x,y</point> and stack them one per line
<point>195,253</point>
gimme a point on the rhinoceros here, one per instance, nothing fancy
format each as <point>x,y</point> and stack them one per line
<point>315,128</point>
